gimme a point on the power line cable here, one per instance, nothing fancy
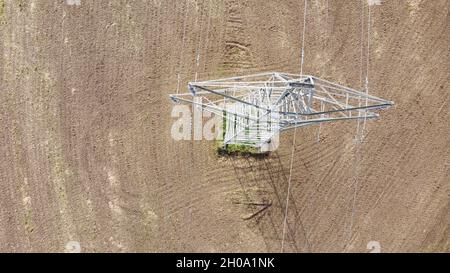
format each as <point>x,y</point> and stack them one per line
<point>293,141</point>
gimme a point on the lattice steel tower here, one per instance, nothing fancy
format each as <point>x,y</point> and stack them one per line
<point>257,107</point>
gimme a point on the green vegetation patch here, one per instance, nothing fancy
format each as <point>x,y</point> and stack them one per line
<point>235,149</point>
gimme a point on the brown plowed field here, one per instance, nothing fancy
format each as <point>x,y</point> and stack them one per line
<point>86,153</point>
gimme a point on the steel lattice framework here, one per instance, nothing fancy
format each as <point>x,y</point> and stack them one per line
<point>257,107</point>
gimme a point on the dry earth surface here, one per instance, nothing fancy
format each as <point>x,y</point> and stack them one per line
<point>88,162</point>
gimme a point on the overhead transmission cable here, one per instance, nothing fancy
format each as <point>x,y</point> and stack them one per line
<point>182,46</point>
<point>361,70</point>
<point>199,45</point>
<point>367,68</point>
<point>208,26</point>
<point>325,65</point>
<point>293,141</point>
<point>360,134</point>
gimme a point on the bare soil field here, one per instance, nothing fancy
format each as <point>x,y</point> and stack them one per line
<point>87,159</point>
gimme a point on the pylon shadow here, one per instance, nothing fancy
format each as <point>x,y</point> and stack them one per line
<point>264,185</point>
